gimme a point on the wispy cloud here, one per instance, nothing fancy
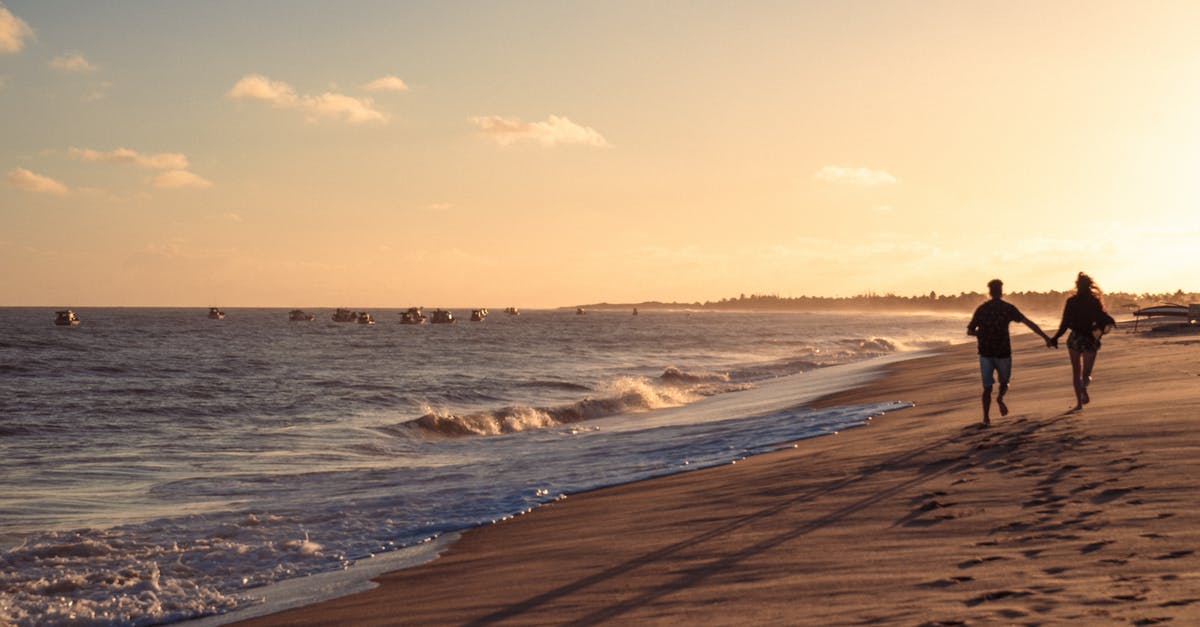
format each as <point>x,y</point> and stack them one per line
<point>180,179</point>
<point>865,177</point>
<point>99,91</point>
<point>439,206</point>
<point>327,105</point>
<point>72,62</point>
<point>552,131</point>
<point>13,31</point>
<point>160,161</point>
<point>23,179</point>
<point>386,83</point>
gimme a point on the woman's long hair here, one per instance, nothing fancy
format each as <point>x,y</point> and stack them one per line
<point>1087,289</point>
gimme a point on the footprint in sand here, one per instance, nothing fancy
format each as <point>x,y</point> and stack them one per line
<point>1112,494</point>
<point>1174,555</point>
<point>981,560</point>
<point>996,596</point>
<point>1095,546</point>
<point>945,582</point>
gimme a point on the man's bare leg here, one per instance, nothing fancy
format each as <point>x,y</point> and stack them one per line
<point>987,405</point>
<point>1000,399</point>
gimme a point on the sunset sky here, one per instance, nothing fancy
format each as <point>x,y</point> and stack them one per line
<point>383,153</point>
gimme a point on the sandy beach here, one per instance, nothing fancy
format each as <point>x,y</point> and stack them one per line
<point>923,517</point>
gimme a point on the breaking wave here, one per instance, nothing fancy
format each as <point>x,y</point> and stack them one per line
<point>624,395</point>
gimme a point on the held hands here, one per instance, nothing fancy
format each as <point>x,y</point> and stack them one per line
<point>1051,342</point>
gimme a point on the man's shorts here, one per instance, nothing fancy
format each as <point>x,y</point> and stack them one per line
<point>1002,367</point>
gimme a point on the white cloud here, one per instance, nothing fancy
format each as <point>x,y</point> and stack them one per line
<point>865,177</point>
<point>386,83</point>
<point>23,179</point>
<point>72,62</point>
<point>348,108</point>
<point>160,161</point>
<point>259,87</point>
<point>439,206</point>
<point>549,132</point>
<point>180,179</point>
<point>327,105</point>
<point>13,31</point>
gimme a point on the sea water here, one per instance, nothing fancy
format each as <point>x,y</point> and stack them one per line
<point>157,466</point>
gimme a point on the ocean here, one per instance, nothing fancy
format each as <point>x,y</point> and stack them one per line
<point>158,466</point>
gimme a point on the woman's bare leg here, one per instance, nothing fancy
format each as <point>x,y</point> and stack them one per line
<point>1085,375</point>
<point>1076,373</point>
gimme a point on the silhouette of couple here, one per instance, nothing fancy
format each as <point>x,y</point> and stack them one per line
<point>1083,315</point>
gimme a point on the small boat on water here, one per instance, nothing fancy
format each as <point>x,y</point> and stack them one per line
<point>413,316</point>
<point>579,311</point>
<point>512,311</point>
<point>299,315</point>
<point>365,318</point>
<point>215,313</point>
<point>441,316</point>
<point>66,318</point>
<point>345,315</point>
<point>477,315</point>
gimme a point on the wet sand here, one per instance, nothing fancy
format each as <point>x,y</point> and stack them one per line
<point>923,517</point>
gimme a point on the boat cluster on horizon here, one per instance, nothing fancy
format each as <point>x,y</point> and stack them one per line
<point>414,315</point>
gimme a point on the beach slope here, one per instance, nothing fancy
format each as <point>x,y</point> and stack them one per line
<point>922,517</point>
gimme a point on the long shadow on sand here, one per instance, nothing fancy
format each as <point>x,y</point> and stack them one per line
<point>693,576</point>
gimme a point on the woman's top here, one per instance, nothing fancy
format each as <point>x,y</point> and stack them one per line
<point>1083,314</point>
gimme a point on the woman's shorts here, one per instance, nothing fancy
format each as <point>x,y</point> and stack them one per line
<point>1002,366</point>
<point>1083,342</point>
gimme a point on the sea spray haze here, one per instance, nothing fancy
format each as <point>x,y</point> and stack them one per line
<point>156,465</point>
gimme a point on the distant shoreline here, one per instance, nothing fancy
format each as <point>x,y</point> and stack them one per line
<point>1040,303</point>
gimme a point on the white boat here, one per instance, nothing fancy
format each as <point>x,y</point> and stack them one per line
<point>66,318</point>
<point>441,316</point>
<point>1165,309</point>
<point>1167,313</point>
<point>215,313</point>
<point>413,316</point>
<point>365,318</point>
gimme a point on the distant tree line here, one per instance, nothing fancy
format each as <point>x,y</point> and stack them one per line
<point>1118,303</point>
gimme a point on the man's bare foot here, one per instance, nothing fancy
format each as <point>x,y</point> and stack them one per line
<point>986,421</point>
<point>1084,399</point>
<point>1003,407</point>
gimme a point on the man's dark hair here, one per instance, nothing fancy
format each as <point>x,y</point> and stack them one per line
<point>995,287</point>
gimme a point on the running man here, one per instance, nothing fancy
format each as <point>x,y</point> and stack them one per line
<point>989,325</point>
